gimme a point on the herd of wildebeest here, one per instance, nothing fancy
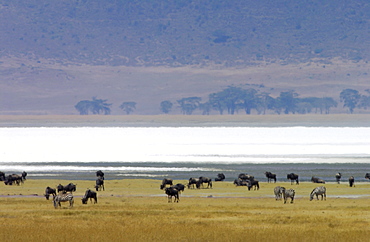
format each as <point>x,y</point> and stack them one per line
<point>65,193</point>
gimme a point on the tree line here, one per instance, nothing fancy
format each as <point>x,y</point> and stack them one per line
<point>233,100</point>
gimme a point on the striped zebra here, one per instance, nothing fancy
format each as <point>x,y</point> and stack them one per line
<point>318,191</point>
<point>63,197</point>
<point>278,191</point>
<point>288,193</point>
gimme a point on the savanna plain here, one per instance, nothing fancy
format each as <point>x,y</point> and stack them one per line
<point>137,210</point>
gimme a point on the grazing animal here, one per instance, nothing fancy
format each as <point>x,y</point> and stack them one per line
<point>292,177</point>
<point>165,182</point>
<point>270,176</point>
<point>2,176</point>
<point>278,191</point>
<point>367,176</point>
<point>338,176</point>
<point>179,187</point>
<point>220,177</point>
<point>202,180</point>
<point>244,176</point>
<point>253,183</point>
<point>89,194</point>
<point>192,182</point>
<point>318,191</point>
<point>63,197</point>
<point>290,193</point>
<point>99,184</point>
<point>50,191</point>
<point>172,192</point>
<point>68,188</point>
<point>240,182</point>
<point>351,181</point>
<point>24,174</point>
<point>100,174</point>
<point>317,180</point>
<point>13,179</point>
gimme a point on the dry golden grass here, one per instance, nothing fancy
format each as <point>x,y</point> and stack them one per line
<point>137,210</point>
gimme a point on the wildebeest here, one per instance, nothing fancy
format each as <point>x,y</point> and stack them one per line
<point>179,187</point>
<point>100,174</point>
<point>13,179</point>
<point>192,182</point>
<point>63,197</point>
<point>202,180</point>
<point>317,180</point>
<point>50,191</point>
<point>292,177</point>
<point>270,176</point>
<point>172,192</point>
<point>351,181</point>
<point>240,182</point>
<point>367,176</point>
<point>289,193</point>
<point>89,194</point>
<point>278,191</point>
<point>2,176</point>
<point>244,176</point>
<point>338,176</point>
<point>318,191</point>
<point>99,184</point>
<point>68,188</point>
<point>220,177</point>
<point>165,182</point>
<point>24,175</point>
<point>253,183</point>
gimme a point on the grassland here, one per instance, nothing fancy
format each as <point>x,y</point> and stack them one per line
<point>137,210</point>
<point>309,120</point>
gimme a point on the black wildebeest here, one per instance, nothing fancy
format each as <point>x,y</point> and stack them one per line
<point>351,181</point>
<point>99,184</point>
<point>202,180</point>
<point>24,175</point>
<point>165,182</point>
<point>317,180</point>
<point>338,176</point>
<point>100,174</point>
<point>13,179</point>
<point>253,183</point>
<point>63,197</point>
<point>220,177</point>
<point>50,191</point>
<point>292,177</point>
<point>240,182</point>
<point>89,194</point>
<point>367,176</point>
<point>270,176</point>
<point>288,193</point>
<point>192,182</point>
<point>179,187</point>
<point>244,176</point>
<point>68,188</point>
<point>318,191</point>
<point>172,192</point>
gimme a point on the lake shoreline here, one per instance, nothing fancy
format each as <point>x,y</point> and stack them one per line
<point>307,120</point>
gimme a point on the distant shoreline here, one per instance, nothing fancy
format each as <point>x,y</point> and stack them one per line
<point>308,120</point>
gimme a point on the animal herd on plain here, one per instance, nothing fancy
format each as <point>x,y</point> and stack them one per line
<point>65,193</point>
<point>250,182</point>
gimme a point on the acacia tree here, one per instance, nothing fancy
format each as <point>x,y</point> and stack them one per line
<point>350,98</point>
<point>166,106</point>
<point>128,107</point>
<point>189,104</point>
<point>288,101</point>
<point>96,106</point>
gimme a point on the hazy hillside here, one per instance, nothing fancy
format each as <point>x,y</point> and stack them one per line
<point>56,53</point>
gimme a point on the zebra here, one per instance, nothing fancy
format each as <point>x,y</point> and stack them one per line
<point>318,191</point>
<point>288,193</point>
<point>278,191</point>
<point>63,197</point>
